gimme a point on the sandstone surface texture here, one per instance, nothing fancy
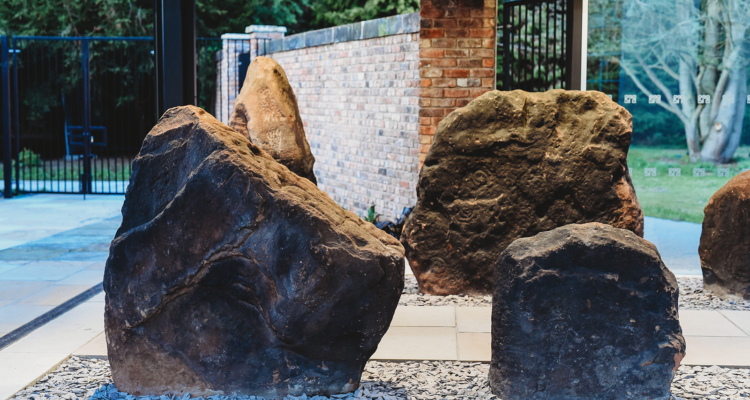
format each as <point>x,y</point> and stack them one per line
<point>511,165</point>
<point>266,112</point>
<point>584,312</point>
<point>725,240</point>
<point>232,275</point>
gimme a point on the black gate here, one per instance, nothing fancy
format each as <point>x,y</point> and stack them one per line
<point>536,44</point>
<point>78,108</point>
<point>81,107</point>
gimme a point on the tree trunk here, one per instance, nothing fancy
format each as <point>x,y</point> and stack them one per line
<point>726,128</point>
<point>727,113</point>
<point>687,90</point>
<point>712,58</point>
<point>739,114</point>
<point>686,9</point>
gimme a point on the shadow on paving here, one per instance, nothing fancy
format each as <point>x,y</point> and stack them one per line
<point>89,242</point>
<point>39,277</point>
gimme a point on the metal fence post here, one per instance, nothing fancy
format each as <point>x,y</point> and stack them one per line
<point>86,181</point>
<point>579,18</point>
<point>506,46</point>
<point>7,163</point>
<point>174,25</point>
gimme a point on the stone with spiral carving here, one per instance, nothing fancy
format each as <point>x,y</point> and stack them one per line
<point>511,165</point>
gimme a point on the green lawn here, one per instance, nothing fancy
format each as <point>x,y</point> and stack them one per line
<point>678,198</point>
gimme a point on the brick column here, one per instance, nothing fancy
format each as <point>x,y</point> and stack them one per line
<point>457,59</point>
<point>262,35</point>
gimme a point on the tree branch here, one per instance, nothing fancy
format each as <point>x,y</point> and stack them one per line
<point>643,89</point>
<point>664,89</point>
<point>664,67</point>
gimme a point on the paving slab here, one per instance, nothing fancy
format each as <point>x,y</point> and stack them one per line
<point>41,272</point>
<point>469,337</point>
<point>84,255</point>
<point>418,343</point>
<point>60,245</point>
<point>712,339</point>
<point>31,217</point>
<point>5,244</point>
<point>97,347</point>
<point>474,319</point>
<point>713,350</point>
<point>54,295</point>
<point>16,290</point>
<point>28,359</point>
<point>13,316</point>
<point>708,323</point>
<point>474,346</point>
<point>677,242</point>
<point>86,277</point>
<point>424,316</point>
<point>740,319</point>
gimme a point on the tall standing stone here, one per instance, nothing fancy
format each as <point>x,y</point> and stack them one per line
<point>725,240</point>
<point>511,165</point>
<point>231,274</point>
<point>584,312</point>
<point>266,112</point>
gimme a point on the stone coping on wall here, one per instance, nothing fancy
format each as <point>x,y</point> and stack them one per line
<point>397,24</point>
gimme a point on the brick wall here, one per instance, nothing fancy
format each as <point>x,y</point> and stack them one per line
<point>457,59</point>
<point>371,94</point>
<point>228,82</point>
<point>358,100</point>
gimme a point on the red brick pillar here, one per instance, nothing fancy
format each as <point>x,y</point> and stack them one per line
<point>456,59</point>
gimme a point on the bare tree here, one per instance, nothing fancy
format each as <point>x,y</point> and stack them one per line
<point>700,48</point>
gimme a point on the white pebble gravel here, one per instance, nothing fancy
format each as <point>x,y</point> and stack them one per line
<point>692,297</point>
<point>89,379</point>
<point>411,297</point>
<point>711,383</point>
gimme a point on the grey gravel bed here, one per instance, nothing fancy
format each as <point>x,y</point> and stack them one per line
<point>411,297</point>
<point>90,379</point>
<point>692,297</point>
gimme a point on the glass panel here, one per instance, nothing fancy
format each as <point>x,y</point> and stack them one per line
<point>681,68</point>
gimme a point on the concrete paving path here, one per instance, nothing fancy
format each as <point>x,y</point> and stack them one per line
<point>31,217</point>
<point>416,333</point>
<point>677,243</point>
<point>52,248</point>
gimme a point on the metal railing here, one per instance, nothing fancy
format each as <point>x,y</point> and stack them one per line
<point>80,107</point>
<point>536,45</point>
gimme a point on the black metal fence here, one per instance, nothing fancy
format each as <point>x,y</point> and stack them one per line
<point>80,107</point>
<point>535,39</point>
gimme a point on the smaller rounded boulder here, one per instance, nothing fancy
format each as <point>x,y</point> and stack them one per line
<point>725,240</point>
<point>584,312</point>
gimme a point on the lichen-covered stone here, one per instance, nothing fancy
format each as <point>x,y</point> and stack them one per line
<point>584,312</point>
<point>725,240</point>
<point>510,165</point>
<point>266,112</point>
<point>231,274</point>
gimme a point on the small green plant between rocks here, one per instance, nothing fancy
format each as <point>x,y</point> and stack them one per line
<point>372,216</point>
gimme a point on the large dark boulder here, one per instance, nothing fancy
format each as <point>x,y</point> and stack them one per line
<point>725,240</point>
<point>511,165</point>
<point>231,274</point>
<point>584,312</point>
<point>266,112</point>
